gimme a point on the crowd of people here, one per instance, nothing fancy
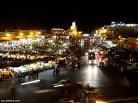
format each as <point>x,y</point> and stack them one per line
<point>56,70</point>
<point>21,44</point>
<point>6,74</point>
<point>32,70</point>
<point>32,75</point>
<point>73,63</point>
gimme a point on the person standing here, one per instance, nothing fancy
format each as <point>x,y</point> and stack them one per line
<point>55,69</point>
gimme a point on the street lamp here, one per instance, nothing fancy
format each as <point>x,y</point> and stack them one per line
<point>21,34</point>
<point>39,32</point>
<point>7,34</point>
<point>31,33</point>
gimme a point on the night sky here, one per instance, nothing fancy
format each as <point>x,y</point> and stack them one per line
<point>85,23</point>
<point>45,15</point>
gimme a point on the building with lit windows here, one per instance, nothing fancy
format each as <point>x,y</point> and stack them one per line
<point>125,35</point>
<point>73,32</point>
<point>19,34</point>
<point>59,33</point>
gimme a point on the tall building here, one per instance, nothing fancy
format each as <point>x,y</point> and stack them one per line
<point>73,32</point>
<point>59,33</point>
<point>126,35</point>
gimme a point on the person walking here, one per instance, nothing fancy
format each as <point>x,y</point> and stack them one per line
<point>55,69</point>
<point>54,72</point>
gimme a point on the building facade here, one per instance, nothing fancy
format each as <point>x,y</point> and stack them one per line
<point>125,35</point>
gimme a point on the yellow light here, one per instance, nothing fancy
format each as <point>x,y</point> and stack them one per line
<point>80,32</point>
<point>39,32</point>
<point>31,33</point>
<point>7,34</point>
<point>37,35</point>
<point>21,34</point>
<point>97,101</point>
<point>96,31</point>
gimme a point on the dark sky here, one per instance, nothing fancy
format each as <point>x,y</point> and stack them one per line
<point>45,14</point>
<point>43,21</point>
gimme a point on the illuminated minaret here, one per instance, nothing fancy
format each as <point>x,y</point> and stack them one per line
<point>73,26</point>
<point>73,31</point>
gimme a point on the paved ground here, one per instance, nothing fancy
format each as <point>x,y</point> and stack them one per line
<point>106,81</point>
